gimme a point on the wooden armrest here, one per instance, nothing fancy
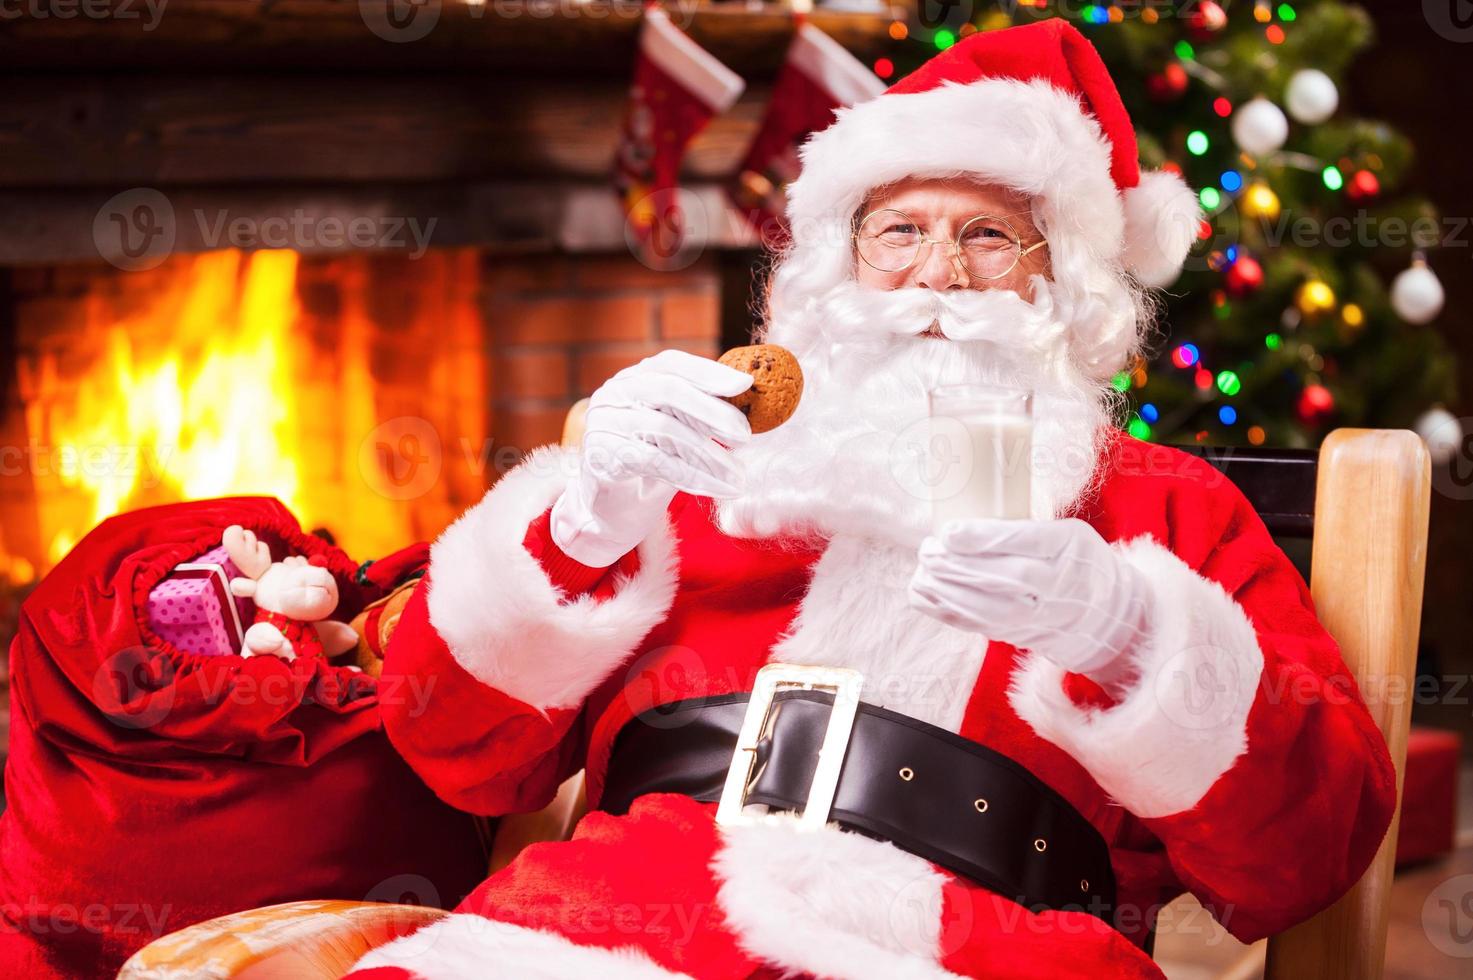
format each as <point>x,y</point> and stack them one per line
<point>573,423</point>
<point>298,940</point>
<point>553,822</point>
<point>1370,552</point>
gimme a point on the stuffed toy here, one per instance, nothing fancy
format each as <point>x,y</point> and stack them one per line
<point>375,624</point>
<point>293,598</point>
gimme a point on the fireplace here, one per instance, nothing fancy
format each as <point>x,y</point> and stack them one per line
<point>376,395</point>
<point>262,249</point>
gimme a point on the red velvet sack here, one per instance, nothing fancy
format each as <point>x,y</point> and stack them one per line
<point>149,788</point>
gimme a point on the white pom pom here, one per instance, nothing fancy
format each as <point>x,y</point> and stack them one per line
<point>1311,96</point>
<point>1162,216</point>
<point>1441,431</point>
<point>1416,294</point>
<point>1259,127</point>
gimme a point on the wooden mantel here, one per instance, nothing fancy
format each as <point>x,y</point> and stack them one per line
<point>542,36</point>
<point>255,108</point>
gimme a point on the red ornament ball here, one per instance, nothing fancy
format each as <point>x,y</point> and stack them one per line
<point>1206,20</point>
<point>1167,85</point>
<point>1315,404</point>
<point>1363,186</point>
<point>1244,276</point>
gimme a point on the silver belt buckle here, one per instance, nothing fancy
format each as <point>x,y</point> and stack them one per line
<point>846,684</point>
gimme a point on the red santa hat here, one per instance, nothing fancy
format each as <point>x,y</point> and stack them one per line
<point>1030,107</point>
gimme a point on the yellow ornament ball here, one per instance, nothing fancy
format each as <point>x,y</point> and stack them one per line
<point>1260,201</point>
<point>1352,319</point>
<point>996,21</point>
<point>1314,298</point>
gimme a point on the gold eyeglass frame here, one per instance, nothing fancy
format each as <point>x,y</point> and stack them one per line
<point>1019,252</point>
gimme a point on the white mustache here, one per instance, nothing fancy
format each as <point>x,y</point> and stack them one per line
<point>859,313</point>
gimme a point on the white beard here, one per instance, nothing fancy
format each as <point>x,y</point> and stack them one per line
<point>828,474</point>
<point>842,463</point>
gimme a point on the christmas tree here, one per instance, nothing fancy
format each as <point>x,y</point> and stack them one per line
<point>1306,304</point>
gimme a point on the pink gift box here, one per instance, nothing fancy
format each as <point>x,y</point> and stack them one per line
<point>194,610</point>
<point>217,556</point>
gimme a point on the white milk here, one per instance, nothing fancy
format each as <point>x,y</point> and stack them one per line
<point>994,462</point>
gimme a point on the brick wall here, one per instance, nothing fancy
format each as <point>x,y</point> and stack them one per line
<point>560,326</point>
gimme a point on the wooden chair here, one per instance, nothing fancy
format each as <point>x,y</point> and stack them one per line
<point>1363,501</point>
<point>1367,517</point>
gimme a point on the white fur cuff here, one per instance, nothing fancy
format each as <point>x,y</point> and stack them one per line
<point>503,619</point>
<point>464,945</point>
<point>1184,721</point>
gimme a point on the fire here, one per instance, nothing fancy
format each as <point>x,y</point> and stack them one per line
<point>205,415</point>
<point>208,383</point>
<point>201,417</point>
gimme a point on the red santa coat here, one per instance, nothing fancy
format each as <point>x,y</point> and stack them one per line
<point>1242,765</point>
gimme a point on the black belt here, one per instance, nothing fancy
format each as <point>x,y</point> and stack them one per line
<point>929,791</point>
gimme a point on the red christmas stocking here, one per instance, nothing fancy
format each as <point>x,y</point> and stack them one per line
<point>677,89</point>
<point>818,77</point>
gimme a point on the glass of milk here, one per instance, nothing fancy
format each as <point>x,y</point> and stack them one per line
<point>981,452</point>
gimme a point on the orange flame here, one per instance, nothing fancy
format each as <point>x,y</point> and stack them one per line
<point>205,387</point>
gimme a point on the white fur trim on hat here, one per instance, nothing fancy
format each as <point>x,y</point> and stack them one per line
<point>464,945</point>
<point>1184,722</point>
<point>503,619</point>
<point>1026,135</point>
<point>1162,217</point>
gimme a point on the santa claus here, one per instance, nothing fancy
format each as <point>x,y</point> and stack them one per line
<point>995,748</point>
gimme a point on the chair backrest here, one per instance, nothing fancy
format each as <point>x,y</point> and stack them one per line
<point>1373,493</point>
<point>1362,499</point>
<point>1279,483</point>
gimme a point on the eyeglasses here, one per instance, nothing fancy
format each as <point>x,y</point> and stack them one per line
<point>988,246</point>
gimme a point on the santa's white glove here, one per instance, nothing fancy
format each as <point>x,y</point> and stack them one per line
<point>1054,587</point>
<point>650,430</point>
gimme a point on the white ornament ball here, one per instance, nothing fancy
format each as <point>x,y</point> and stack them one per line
<point>1416,294</point>
<point>1259,127</point>
<point>1311,96</point>
<point>1442,433</point>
